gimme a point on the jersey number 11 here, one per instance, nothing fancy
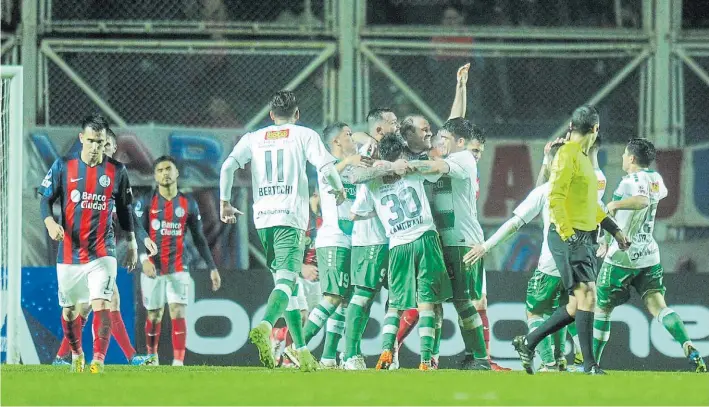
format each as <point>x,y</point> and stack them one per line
<point>279,166</point>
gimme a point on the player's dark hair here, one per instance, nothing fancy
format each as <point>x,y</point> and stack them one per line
<point>584,119</point>
<point>95,122</point>
<point>331,131</point>
<point>284,104</point>
<point>479,134</point>
<point>643,150</point>
<point>391,147</point>
<point>164,158</point>
<point>377,114</point>
<point>111,134</point>
<point>459,128</point>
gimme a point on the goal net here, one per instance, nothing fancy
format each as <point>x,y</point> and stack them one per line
<point>11,170</point>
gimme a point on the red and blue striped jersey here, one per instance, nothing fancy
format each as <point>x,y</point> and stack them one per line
<point>166,222</point>
<point>88,196</point>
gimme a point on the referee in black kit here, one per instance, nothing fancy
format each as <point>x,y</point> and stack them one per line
<point>575,215</point>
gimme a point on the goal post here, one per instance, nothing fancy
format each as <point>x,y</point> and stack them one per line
<point>11,188</point>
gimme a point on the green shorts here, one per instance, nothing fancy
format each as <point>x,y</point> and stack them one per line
<point>417,273</point>
<point>545,293</point>
<point>284,247</point>
<point>334,270</point>
<point>614,283</point>
<point>466,279</point>
<point>369,266</point>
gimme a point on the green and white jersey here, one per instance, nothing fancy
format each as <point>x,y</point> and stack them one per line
<point>280,185</point>
<point>401,206</point>
<point>534,204</point>
<point>368,232</point>
<point>336,228</point>
<point>638,225</point>
<point>454,202</point>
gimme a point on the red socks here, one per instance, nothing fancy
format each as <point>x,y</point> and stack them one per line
<point>102,333</point>
<point>486,329</point>
<point>72,337</point>
<point>408,321</point>
<point>179,335</point>
<point>118,329</point>
<point>152,336</point>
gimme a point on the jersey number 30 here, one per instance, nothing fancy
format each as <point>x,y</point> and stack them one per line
<point>405,205</point>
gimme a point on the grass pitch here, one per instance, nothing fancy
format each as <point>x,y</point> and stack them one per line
<point>204,385</point>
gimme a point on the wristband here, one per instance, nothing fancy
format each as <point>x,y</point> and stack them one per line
<point>610,226</point>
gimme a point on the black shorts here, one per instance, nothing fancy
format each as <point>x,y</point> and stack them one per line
<point>576,261</point>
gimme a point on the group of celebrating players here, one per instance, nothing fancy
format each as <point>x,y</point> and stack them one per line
<point>398,210</point>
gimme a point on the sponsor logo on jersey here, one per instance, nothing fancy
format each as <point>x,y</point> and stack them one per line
<point>89,201</point>
<point>168,228</point>
<point>601,184</point>
<point>655,187</point>
<point>276,134</point>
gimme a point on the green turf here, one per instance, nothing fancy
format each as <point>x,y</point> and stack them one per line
<point>165,385</point>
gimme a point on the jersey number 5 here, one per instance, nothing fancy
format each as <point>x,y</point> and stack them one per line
<point>406,205</point>
<point>279,166</point>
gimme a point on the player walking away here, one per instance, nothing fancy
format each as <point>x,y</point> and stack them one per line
<point>417,276</point>
<point>455,213</point>
<point>575,213</point>
<point>168,214</point>
<point>88,185</point>
<point>545,291</point>
<point>370,248</point>
<point>635,205</point>
<point>559,339</point>
<point>278,154</point>
<point>118,328</point>
<point>333,245</point>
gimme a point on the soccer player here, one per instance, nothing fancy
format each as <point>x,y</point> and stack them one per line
<point>417,276</point>
<point>278,155</point>
<point>455,213</point>
<point>635,205</point>
<point>168,214</point>
<point>370,249</point>
<point>333,246</point>
<point>575,214</point>
<point>544,291</point>
<point>88,185</point>
<point>416,131</point>
<point>118,328</point>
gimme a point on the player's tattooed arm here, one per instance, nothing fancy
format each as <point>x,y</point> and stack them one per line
<point>430,166</point>
<point>359,175</point>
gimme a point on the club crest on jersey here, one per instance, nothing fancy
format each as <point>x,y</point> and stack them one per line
<point>155,224</point>
<point>655,187</point>
<point>104,181</point>
<point>180,212</point>
<point>276,134</point>
<point>601,184</point>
